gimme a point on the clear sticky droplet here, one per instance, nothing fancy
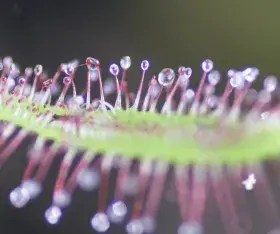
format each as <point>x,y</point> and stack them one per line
<point>114,69</point>
<point>181,70</point>
<point>53,215</point>
<point>212,101</point>
<point>125,62</point>
<point>214,77</point>
<point>92,63</point>
<point>7,61</point>
<point>100,222</point>
<point>117,211</point>
<point>93,75</point>
<point>231,73</point>
<point>190,228</point>
<point>66,80</point>
<point>38,70</point>
<point>250,74</point>
<point>166,77</point>
<point>62,198</point>
<point>237,81</point>
<point>69,69</point>
<point>19,197</point>
<point>21,80</point>
<point>189,94</point>
<point>183,80</point>
<point>145,65</point>
<point>33,187</point>
<point>207,65</point>
<point>270,83</point>
<point>88,179</point>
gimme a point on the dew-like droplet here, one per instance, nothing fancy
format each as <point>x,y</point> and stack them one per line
<point>100,222</point>
<point>33,187</point>
<point>183,80</point>
<point>92,63</point>
<point>166,77</point>
<point>68,69</point>
<point>214,77</point>
<point>237,80</point>
<point>231,73</point>
<point>88,179</point>
<point>21,81</point>
<point>53,215</point>
<point>93,75</point>
<point>66,80</point>
<point>189,94</point>
<point>62,198</point>
<point>135,227</point>
<point>212,101</point>
<point>270,83</point>
<point>125,62</point>
<point>181,70</point>
<point>149,224</point>
<point>38,70</point>
<point>190,228</point>
<point>207,65</point>
<point>19,197</point>
<point>114,69</point>
<point>7,61</point>
<point>250,74</point>
<point>117,211</point>
<point>145,65</point>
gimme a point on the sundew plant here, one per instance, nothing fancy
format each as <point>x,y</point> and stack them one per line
<point>207,142</point>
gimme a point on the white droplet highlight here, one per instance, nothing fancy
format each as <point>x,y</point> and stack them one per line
<point>100,222</point>
<point>166,77</point>
<point>207,65</point>
<point>237,80</point>
<point>117,212</point>
<point>145,65</point>
<point>38,70</point>
<point>33,187</point>
<point>53,215</point>
<point>19,197</point>
<point>249,182</point>
<point>92,63</point>
<point>214,77</point>
<point>114,69</point>
<point>270,83</point>
<point>125,62</point>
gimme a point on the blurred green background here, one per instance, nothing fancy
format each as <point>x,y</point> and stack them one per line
<point>168,33</point>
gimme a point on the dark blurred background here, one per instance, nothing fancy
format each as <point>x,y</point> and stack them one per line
<point>167,33</point>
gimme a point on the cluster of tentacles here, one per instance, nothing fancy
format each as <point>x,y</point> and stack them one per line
<point>111,138</point>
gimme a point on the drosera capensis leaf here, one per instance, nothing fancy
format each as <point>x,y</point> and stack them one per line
<point>195,133</point>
